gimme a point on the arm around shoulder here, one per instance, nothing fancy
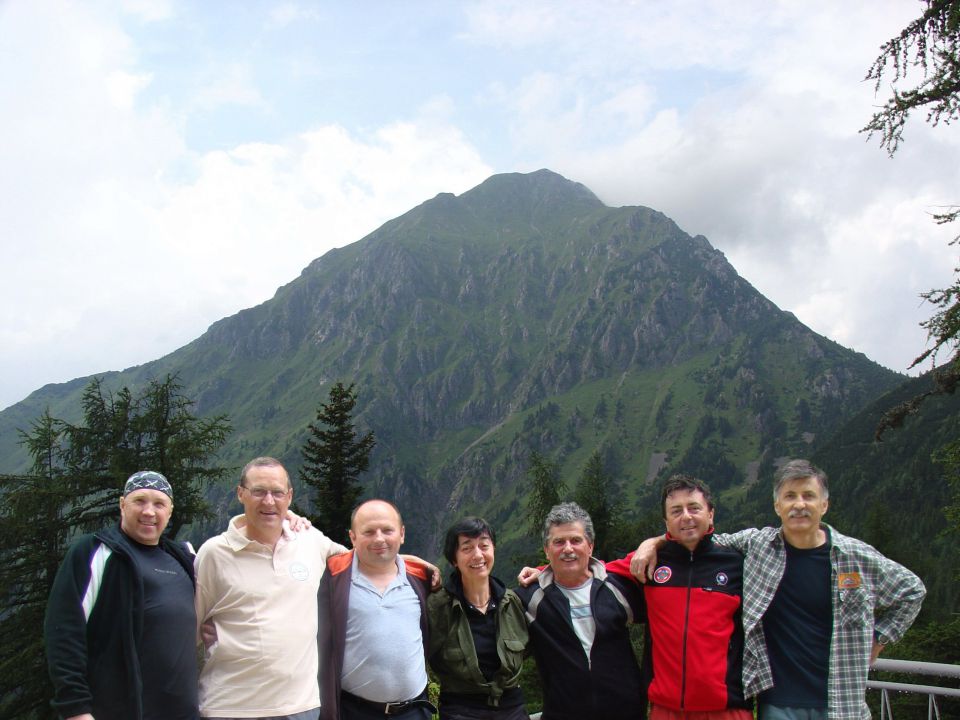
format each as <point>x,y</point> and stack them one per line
<point>643,560</point>
<point>740,540</point>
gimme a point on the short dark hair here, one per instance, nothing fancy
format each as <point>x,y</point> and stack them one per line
<point>681,481</point>
<point>799,469</point>
<point>471,527</point>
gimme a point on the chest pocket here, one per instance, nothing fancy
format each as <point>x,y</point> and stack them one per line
<point>855,607</point>
<point>452,652</point>
<point>513,650</point>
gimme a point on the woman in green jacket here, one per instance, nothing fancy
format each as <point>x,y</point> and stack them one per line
<point>478,634</point>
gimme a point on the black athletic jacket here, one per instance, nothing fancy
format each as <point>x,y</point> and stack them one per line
<point>93,624</point>
<point>609,685</point>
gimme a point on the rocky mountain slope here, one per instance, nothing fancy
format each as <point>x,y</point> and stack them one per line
<point>523,314</point>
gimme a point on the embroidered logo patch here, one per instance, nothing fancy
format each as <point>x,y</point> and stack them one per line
<point>722,578</point>
<point>662,574</point>
<point>299,571</point>
<point>848,581</point>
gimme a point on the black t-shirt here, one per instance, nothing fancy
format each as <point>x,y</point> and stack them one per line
<point>483,628</point>
<point>797,626</point>
<point>168,654</point>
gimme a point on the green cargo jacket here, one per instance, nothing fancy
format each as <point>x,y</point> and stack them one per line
<point>452,654</point>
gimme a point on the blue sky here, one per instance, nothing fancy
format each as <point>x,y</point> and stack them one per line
<point>166,164</point>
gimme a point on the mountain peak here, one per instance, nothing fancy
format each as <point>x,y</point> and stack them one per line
<point>536,189</point>
<point>538,202</point>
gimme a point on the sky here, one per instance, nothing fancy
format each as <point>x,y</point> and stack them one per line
<point>166,164</point>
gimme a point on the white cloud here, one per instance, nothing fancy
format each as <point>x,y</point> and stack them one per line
<point>261,212</point>
<point>148,11</point>
<point>142,275</point>
<point>287,13</point>
<point>517,24</point>
<point>232,84</point>
<point>862,287</point>
<point>122,88</point>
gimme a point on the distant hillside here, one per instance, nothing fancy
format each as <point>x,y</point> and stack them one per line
<point>523,314</point>
<point>892,493</point>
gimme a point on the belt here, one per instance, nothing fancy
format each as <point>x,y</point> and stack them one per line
<point>393,708</point>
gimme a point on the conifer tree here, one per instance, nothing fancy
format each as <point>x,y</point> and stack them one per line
<point>334,457</point>
<point>546,490</point>
<point>167,437</point>
<point>33,540</point>
<point>929,47</point>
<point>593,494</point>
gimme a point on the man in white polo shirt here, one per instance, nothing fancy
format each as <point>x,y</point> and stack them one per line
<point>257,587</point>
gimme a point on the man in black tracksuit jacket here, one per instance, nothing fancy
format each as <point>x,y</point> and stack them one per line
<point>578,617</point>
<point>120,626</point>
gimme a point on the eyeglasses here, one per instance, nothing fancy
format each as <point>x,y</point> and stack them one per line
<point>260,493</point>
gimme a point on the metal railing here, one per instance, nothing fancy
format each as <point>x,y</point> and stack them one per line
<point>908,667</point>
<point>911,667</point>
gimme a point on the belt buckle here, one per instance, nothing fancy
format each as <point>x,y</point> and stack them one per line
<point>389,707</point>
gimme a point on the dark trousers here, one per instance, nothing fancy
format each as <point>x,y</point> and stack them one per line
<point>465,712</point>
<point>354,708</point>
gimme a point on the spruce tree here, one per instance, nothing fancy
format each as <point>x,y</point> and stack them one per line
<point>928,50</point>
<point>546,490</point>
<point>929,47</point>
<point>593,494</point>
<point>167,437</point>
<point>334,457</point>
<point>33,539</point>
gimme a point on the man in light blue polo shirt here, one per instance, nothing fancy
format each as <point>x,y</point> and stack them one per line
<point>372,660</point>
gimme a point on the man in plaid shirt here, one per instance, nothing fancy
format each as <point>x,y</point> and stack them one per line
<point>818,606</point>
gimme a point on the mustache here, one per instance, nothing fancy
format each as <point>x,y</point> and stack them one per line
<point>799,513</point>
<point>568,556</point>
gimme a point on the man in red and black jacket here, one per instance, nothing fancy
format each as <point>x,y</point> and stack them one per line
<point>693,651</point>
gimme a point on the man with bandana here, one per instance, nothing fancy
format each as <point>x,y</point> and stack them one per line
<point>120,623</point>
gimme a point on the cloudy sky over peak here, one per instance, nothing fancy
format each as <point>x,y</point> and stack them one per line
<point>166,164</point>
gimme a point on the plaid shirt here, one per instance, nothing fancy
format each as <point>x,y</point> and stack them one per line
<point>873,597</point>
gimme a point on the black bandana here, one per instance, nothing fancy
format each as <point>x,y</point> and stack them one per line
<point>150,480</point>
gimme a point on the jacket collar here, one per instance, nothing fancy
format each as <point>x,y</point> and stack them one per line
<point>597,569</point>
<point>705,542</point>
<point>454,586</point>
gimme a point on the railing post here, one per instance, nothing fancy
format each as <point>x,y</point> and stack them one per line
<point>910,667</point>
<point>886,713</point>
